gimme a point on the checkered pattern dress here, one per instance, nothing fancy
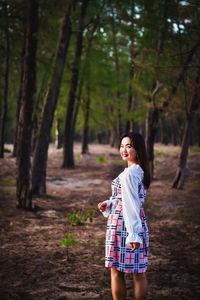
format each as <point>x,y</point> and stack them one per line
<point>118,254</point>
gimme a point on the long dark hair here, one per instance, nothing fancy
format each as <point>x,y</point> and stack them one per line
<point>138,143</point>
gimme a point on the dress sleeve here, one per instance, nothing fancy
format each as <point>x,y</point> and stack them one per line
<point>108,207</point>
<point>130,179</point>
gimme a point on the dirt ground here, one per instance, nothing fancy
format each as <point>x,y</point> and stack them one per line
<point>33,265</point>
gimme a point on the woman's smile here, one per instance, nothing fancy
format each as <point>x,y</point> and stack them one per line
<point>127,151</point>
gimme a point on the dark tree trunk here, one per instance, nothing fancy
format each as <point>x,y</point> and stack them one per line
<point>42,144</point>
<point>152,118</point>
<point>5,96</point>
<point>35,118</point>
<point>86,122</point>
<point>26,109</point>
<point>59,134</point>
<point>151,130</point>
<point>19,95</point>
<point>130,123</point>
<point>181,169</point>
<point>130,89</point>
<point>68,160</point>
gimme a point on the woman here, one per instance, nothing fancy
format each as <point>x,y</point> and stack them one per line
<point>127,232</point>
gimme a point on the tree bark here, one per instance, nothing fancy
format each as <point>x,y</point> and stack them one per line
<point>42,144</point>
<point>5,96</point>
<point>25,117</point>
<point>86,122</point>
<point>152,118</point>
<point>35,118</point>
<point>59,134</point>
<point>181,169</point>
<point>130,123</point>
<point>19,93</point>
<point>68,160</point>
<point>117,70</point>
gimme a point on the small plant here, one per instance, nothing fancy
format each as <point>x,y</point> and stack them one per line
<point>69,240</point>
<point>6,150</point>
<point>8,182</point>
<point>78,217</point>
<point>78,156</point>
<point>101,160</point>
<point>195,150</point>
<point>88,215</point>
<point>160,153</point>
<point>75,218</point>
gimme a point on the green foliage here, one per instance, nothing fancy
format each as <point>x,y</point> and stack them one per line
<point>101,159</point>
<point>6,150</point>
<point>195,150</point>
<point>78,218</point>
<point>156,161</point>
<point>78,156</point>
<point>69,240</point>
<point>119,23</point>
<point>161,153</point>
<point>8,182</point>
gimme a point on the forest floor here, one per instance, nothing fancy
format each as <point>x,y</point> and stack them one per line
<point>34,266</point>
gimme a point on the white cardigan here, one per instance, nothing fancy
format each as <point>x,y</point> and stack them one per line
<point>130,179</point>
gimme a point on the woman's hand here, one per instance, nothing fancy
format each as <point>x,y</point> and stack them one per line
<point>102,206</point>
<point>134,246</point>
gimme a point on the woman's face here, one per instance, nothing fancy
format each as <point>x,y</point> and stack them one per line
<point>127,151</point>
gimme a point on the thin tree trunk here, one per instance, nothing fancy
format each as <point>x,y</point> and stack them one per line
<point>86,122</point>
<point>20,94</point>
<point>181,169</point>
<point>130,123</point>
<point>117,70</point>
<point>59,134</point>
<point>68,160</point>
<point>35,118</point>
<point>5,97</point>
<point>42,144</point>
<point>152,118</point>
<point>25,117</point>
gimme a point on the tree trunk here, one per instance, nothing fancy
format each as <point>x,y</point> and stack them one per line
<point>35,118</point>
<point>181,169</point>
<point>5,96</point>
<point>42,144</point>
<point>151,129</point>
<point>26,109</point>
<point>152,118</point>
<point>68,160</point>
<point>86,122</point>
<point>59,134</point>
<point>20,94</point>
<point>130,123</point>
<point>130,92</point>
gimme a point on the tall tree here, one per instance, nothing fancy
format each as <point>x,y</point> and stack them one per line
<point>25,117</point>
<point>68,160</point>
<point>42,144</point>
<point>193,106</point>
<point>6,76</point>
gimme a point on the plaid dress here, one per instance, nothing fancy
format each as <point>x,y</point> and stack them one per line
<point>119,255</point>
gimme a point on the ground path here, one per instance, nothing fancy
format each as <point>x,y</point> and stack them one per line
<point>35,266</point>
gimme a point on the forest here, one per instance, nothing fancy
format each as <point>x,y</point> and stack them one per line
<point>76,75</point>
